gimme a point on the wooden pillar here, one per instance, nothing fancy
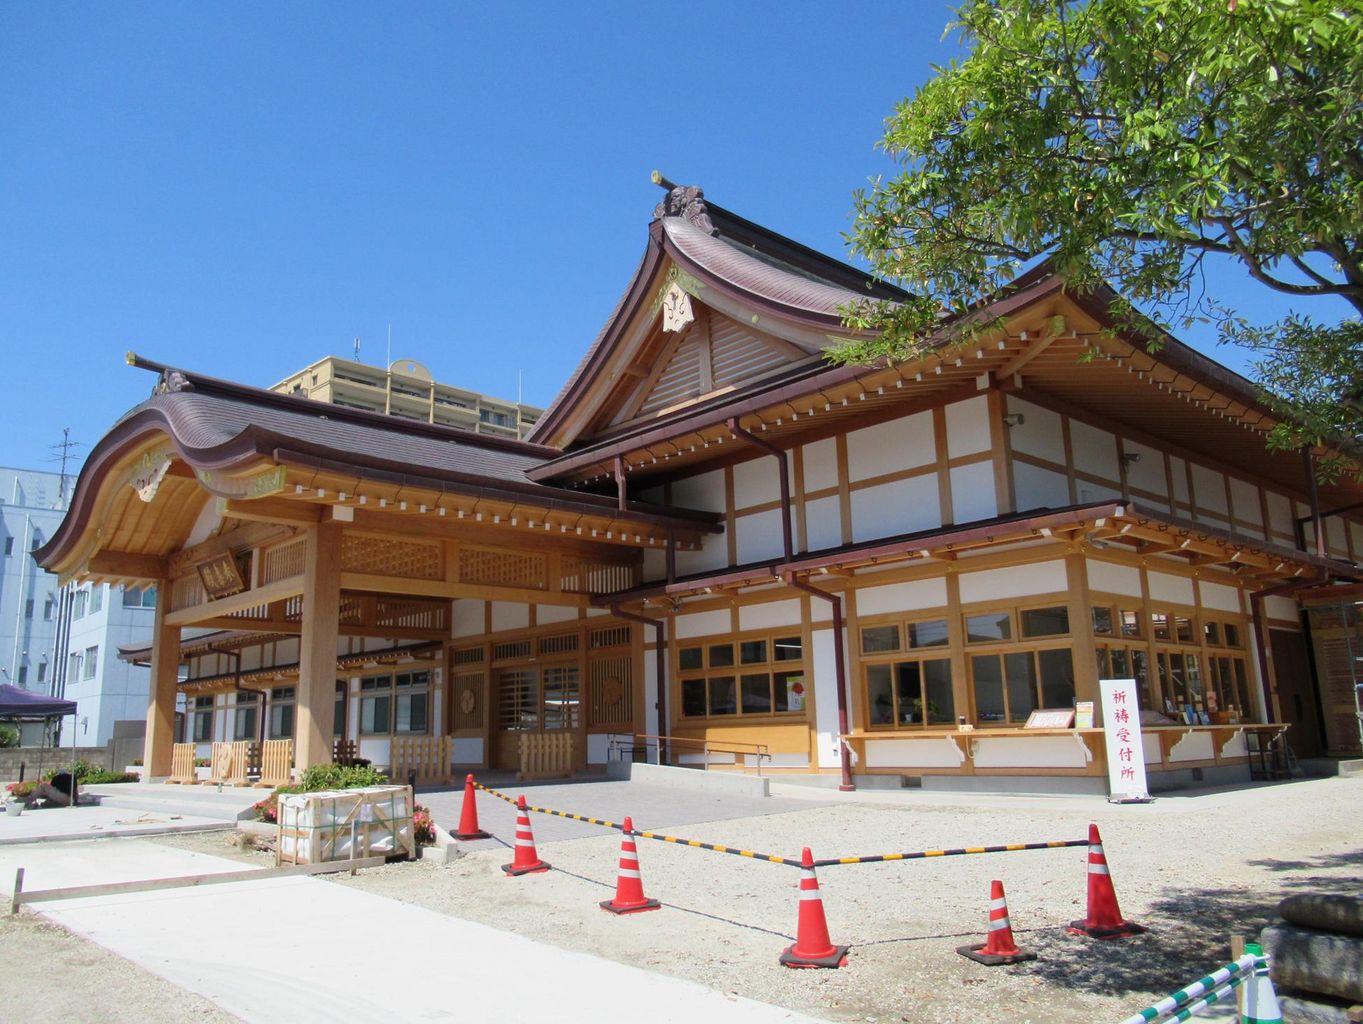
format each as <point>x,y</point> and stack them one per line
<point>1080,609</point>
<point>163,688</point>
<point>317,645</point>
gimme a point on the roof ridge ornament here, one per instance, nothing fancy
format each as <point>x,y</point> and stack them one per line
<point>686,202</point>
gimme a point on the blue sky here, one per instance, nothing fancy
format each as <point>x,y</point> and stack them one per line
<point>242,189</point>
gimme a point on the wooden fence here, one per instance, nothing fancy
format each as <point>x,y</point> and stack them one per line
<point>546,755</point>
<point>428,755</point>
<point>276,763</point>
<point>182,764</point>
<point>229,764</point>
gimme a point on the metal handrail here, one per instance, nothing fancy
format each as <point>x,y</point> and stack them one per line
<point>760,750</point>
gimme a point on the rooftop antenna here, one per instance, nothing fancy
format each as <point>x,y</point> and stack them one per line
<point>390,345</point>
<point>62,454</point>
<point>520,374</point>
<point>357,349</point>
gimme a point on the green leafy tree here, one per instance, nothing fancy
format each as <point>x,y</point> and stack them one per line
<point>1130,141</point>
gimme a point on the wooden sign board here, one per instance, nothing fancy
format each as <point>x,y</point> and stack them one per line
<point>1083,714</point>
<point>221,577</point>
<point>1050,718</point>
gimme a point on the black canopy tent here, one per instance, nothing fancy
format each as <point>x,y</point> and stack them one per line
<point>26,706</point>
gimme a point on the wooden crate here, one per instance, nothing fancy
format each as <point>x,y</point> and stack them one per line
<point>318,827</point>
<point>546,755</point>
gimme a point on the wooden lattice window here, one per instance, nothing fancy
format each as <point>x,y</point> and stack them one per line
<point>502,568</point>
<point>511,649</point>
<point>612,636</point>
<point>384,557</point>
<point>563,643</point>
<point>467,656</point>
<point>610,690</point>
<point>283,561</point>
<point>467,694</point>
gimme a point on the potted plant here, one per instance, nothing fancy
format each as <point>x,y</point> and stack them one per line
<point>16,794</point>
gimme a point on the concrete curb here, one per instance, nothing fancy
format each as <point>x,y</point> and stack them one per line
<point>690,778</point>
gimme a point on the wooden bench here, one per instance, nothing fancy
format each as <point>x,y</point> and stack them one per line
<point>182,765</point>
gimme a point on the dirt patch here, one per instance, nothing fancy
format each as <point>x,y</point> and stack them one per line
<point>53,975</point>
<point>1196,871</point>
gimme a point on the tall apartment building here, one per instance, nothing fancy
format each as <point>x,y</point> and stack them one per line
<point>407,389</point>
<point>32,504</point>
<point>106,689</point>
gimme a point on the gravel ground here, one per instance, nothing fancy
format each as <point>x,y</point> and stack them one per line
<point>51,975</point>
<point>1195,868</point>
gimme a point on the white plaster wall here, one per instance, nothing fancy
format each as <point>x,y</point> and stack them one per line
<point>759,536</point>
<point>286,651</point>
<point>713,554</point>
<point>967,427</point>
<point>703,624</point>
<point>937,752</point>
<point>1172,589</point>
<point>547,614</point>
<point>1028,752</point>
<point>1178,471</point>
<point>1147,473</point>
<point>1040,433</point>
<point>820,464</point>
<point>1219,597</point>
<point>467,618</point>
<point>1089,491</point>
<point>823,522</point>
<point>756,482</point>
<point>824,666</point>
<point>1195,746</point>
<point>1335,540</point>
<point>467,750</point>
<point>378,750</point>
<point>1356,535</point>
<point>904,506</point>
<point>901,597</point>
<point>509,615</point>
<point>1095,451</point>
<point>1209,487</point>
<point>1014,581</point>
<point>1039,488</point>
<point>1279,512</point>
<point>972,492</point>
<point>772,615</point>
<point>655,564</point>
<point>651,723</point>
<point>1245,502</point>
<point>1114,579</point>
<point>1281,608</point>
<point>889,447</point>
<point>704,491</point>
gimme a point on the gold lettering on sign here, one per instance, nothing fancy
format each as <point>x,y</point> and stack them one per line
<point>148,472</point>
<point>220,576</point>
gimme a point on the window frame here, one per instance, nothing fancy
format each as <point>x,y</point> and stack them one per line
<point>784,679</point>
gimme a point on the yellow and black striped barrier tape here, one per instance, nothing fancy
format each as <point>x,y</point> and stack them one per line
<point>958,852</point>
<point>831,862</point>
<point>659,836</point>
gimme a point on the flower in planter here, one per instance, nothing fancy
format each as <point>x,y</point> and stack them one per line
<point>423,826</point>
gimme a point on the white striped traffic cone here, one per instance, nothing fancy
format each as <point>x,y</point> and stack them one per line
<point>1261,1002</point>
<point>812,948</point>
<point>629,884</point>
<point>1104,920</point>
<point>526,861</point>
<point>999,947</point>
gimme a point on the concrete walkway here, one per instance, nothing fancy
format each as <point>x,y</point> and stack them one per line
<point>304,950</point>
<point>53,824</point>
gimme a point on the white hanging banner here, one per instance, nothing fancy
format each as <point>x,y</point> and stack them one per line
<point>1125,748</point>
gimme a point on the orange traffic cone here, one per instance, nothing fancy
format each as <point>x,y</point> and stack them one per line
<point>468,816</point>
<point>812,946</point>
<point>629,884</point>
<point>526,860</point>
<point>1104,919</point>
<point>999,947</point>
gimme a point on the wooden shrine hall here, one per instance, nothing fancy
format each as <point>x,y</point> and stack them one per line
<point>716,537</point>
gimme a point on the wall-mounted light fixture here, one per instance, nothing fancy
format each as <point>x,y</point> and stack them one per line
<point>1131,458</point>
<point>1014,419</point>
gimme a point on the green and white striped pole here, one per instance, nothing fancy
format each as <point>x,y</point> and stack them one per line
<point>1219,982</point>
<point>1261,1002</point>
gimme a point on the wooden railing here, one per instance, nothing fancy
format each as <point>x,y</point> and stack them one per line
<point>276,763</point>
<point>182,764</point>
<point>229,764</point>
<point>661,749</point>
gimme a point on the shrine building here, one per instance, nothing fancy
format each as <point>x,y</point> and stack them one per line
<point>717,547</point>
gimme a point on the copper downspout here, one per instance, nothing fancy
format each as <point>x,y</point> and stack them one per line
<point>660,658</point>
<point>844,759</point>
<point>1256,604</point>
<point>791,580</point>
<point>784,469</point>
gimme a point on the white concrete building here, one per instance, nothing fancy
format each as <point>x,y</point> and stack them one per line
<point>31,508</point>
<point>105,688</point>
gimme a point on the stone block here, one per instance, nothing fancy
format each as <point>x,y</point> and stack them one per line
<point>1315,961</point>
<point>1324,912</point>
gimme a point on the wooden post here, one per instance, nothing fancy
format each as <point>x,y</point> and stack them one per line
<point>317,646</point>
<point>162,689</point>
<point>1084,650</point>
